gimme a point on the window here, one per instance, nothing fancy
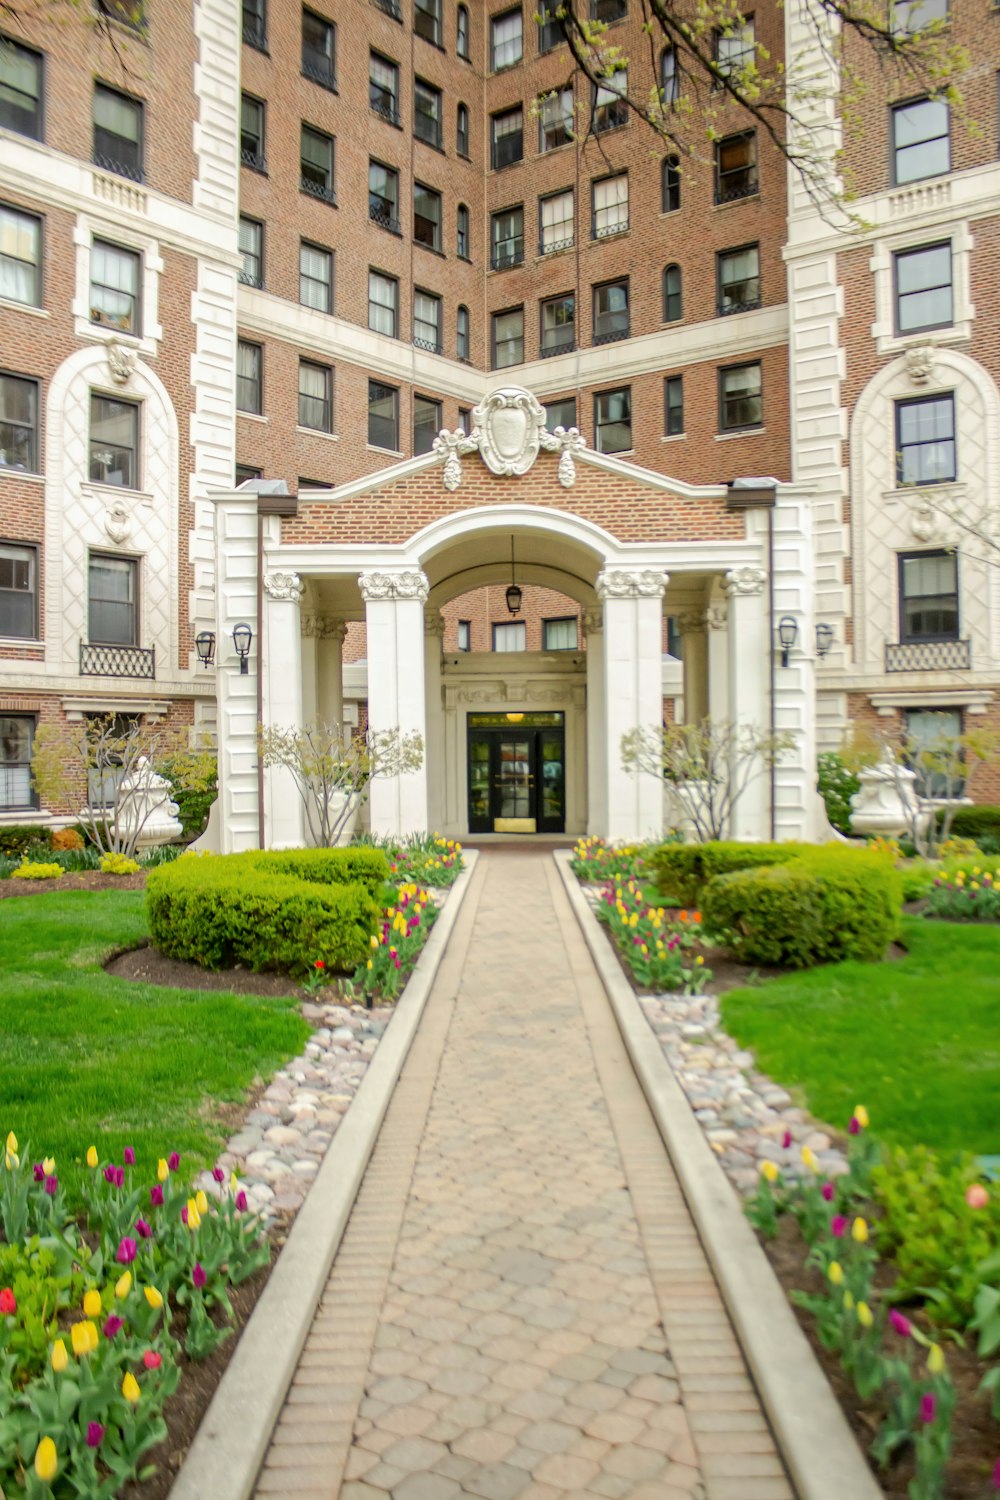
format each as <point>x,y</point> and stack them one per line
<point>508,338</point>
<point>506,40</point>
<point>462,231</point>
<point>734,47</point>
<point>611,319</point>
<point>114,287</point>
<point>550,33</point>
<point>117,132</point>
<point>556,226</point>
<point>736,167</point>
<point>670,83</point>
<point>462,130</point>
<point>610,107</point>
<point>312,484</point>
<point>464,635</point>
<point>255,24</point>
<point>20,89</point>
<point>18,423</point>
<point>427,321</point>
<point>20,256</point>
<point>738,280</point>
<point>319,50</point>
<point>383,304</point>
<point>245,472</point>
<point>252,251</point>
<point>610,206</point>
<point>462,35</point>
<point>560,635</point>
<point>555,120</point>
<point>252,134</point>
<point>316,164</point>
<point>506,138</point>
<point>427,20</point>
<point>316,277</point>
<point>931,734</point>
<point>673,306</point>
<point>511,635</point>
<point>608,11</point>
<point>315,396</point>
<point>249,363</point>
<point>928,596</point>
<point>921,145</point>
<point>383,88</point>
<point>671,185</point>
<point>426,112</point>
<point>925,440</point>
<point>740,399</point>
<point>909,16</point>
<point>426,216</point>
<point>18,592</point>
<point>426,423</point>
<point>383,416</point>
<point>673,405</point>
<point>613,420</point>
<point>465,419</point>
<point>462,345</point>
<point>507,238</point>
<point>114,442</point>
<point>383,196</point>
<point>923,288</point>
<point>111,600</point>
<point>560,414</point>
<point>558,325</point>
<point>17,733</point>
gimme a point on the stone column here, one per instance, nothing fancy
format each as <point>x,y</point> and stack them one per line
<point>394,615</point>
<point>633,695</point>
<point>434,737</point>
<point>330,672</point>
<point>717,621</point>
<point>310,655</point>
<point>597,811</point>
<point>235,810</point>
<point>749,661</point>
<point>281,664</point>
<point>694,655</point>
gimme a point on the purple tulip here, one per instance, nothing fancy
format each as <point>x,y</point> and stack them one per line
<point>38,1172</point>
<point>52,1186</point>
<point>112,1325</point>
<point>996,1476</point>
<point>119,1176</point>
<point>184,1214</point>
<point>928,1407</point>
<point>126,1251</point>
<point>838,1226</point>
<point>143,1230</point>
<point>129,1157</point>
<point>900,1324</point>
<point>198,1275</point>
<point>827,1191</point>
<point>156,1195</point>
<point>218,1174</point>
<point>95,1434</point>
<point>241,1202</point>
<point>109,1174</point>
<point>786,1139</point>
<point>855,1126</point>
<point>173,1161</point>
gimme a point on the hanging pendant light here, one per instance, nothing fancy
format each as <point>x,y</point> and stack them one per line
<point>513,592</point>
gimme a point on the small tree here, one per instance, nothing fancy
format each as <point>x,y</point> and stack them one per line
<point>332,771</point>
<point>929,777</point>
<point>709,765</point>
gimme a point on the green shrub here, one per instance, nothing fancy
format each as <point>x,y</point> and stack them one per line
<point>281,910</point>
<point>836,785</point>
<point>118,864</point>
<point>824,905</point>
<point>972,822</point>
<point>17,838</point>
<point>31,870</point>
<point>682,870</point>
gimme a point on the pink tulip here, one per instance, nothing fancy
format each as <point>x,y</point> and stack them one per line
<point>855,1126</point>
<point>241,1202</point>
<point>900,1324</point>
<point>786,1139</point>
<point>95,1434</point>
<point>143,1230</point>
<point>838,1226</point>
<point>156,1195</point>
<point>928,1407</point>
<point>152,1360</point>
<point>198,1275</point>
<point>52,1186</point>
<point>218,1174</point>
<point>112,1325</point>
<point>126,1251</point>
<point>827,1190</point>
<point>173,1161</point>
<point>976,1196</point>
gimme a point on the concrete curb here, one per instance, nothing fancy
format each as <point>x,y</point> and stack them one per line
<point>224,1460</point>
<point>813,1437</point>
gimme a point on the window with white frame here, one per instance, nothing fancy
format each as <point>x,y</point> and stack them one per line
<point>383,304</point>
<point>610,206</point>
<point>114,286</point>
<point>114,442</point>
<point>315,277</point>
<point>315,396</point>
<point>556,222</point>
<point>18,591</point>
<point>506,40</point>
<point>555,120</point>
<point>17,732</point>
<point>20,256</point>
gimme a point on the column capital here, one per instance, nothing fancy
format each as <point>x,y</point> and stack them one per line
<point>593,621</point>
<point>618,583</point>
<point>717,616</point>
<point>284,586</point>
<point>412,584</point>
<point>434,623</point>
<point>744,581</point>
<point>692,622</point>
<point>324,627</point>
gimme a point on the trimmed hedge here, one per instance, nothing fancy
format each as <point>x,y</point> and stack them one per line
<point>682,870</point>
<point>974,822</point>
<point>280,911</point>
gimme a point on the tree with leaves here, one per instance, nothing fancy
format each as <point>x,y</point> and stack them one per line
<point>333,771</point>
<point>929,775</point>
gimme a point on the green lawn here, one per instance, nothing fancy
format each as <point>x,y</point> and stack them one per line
<point>917,1039</point>
<point>85,1058</point>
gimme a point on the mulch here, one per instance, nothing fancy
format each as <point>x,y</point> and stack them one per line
<point>85,880</point>
<point>147,965</point>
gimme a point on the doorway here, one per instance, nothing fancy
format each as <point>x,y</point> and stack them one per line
<point>517,773</point>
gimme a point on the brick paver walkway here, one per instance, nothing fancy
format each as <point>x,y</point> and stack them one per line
<point>521,1306</point>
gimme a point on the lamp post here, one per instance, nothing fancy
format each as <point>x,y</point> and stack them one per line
<point>242,636</point>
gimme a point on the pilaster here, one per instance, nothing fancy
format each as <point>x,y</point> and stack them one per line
<point>597,812</point>
<point>434,738</point>
<point>633,694</point>
<point>281,666</point>
<point>394,614</point>
<point>236,604</point>
<point>749,662</point>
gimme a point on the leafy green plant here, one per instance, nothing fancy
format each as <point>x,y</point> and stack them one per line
<point>118,864</point>
<point>33,870</point>
<point>836,784</point>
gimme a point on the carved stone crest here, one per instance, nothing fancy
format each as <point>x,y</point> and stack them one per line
<point>407,585</point>
<point>121,361</point>
<point>511,424</point>
<point>745,580</point>
<point>920,363</point>
<point>284,586</point>
<point>924,523</point>
<point>117,521</point>
<point>615,583</point>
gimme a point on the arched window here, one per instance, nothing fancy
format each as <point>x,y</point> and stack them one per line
<point>463,232</point>
<point>462,130</point>
<point>462,44</point>
<point>672,302</point>
<point>462,333</point>
<point>671,184</point>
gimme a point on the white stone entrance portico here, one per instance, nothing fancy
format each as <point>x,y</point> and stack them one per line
<point>718,588</point>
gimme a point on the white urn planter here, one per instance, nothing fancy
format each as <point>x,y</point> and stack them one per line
<point>885,800</point>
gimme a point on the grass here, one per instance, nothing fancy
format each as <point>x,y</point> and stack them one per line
<point>89,1059</point>
<point>917,1039</point>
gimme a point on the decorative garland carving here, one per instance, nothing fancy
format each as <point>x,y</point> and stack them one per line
<point>745,580</point>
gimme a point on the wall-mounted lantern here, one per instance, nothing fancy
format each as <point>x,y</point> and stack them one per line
<point>824,638</point>
<point>788,634</point>
<point>242,636</point>
<point>204,644</point>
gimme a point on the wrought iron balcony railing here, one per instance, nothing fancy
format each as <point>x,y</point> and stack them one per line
<point>548,247</point>
<point>117,661</point>
<point>390,7</point>
<point>320,190</point>
<point>928,656</point>
<point>128,169</point>
<point>255,35</point>
<point>736,188</point>
<point>510,253</point>
<point>385,111</point>
<point>255,160</point>
<point>383,218</point>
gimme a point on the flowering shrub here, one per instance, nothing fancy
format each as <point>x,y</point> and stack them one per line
<point>118,864</point>
<point>595,859</point>
<point>34,870</point>
<point>957,847</point>
<point>658,947</point>
<point>396,947</point>
<point>972,892</point>
<point>94,1316</point>
<point>67,838</point>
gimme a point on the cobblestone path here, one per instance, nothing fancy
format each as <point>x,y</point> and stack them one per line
<point>521,1306</point>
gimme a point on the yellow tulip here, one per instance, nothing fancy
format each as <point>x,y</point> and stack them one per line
<point>865,1317</point>
<point>835,1271</point>
<point>769,1171</point>
<point>59,1357</point>
<point>123,1285</point>
<point>234,1183</point>
<point>201,1202</point>
<point>92,1304</point>
<point>46,1460</point>
<point>194,1217</point>
<point>11,1160</point>
<point>861,1115</point>
<point>162,1170</point>
<point>848,1301</point>
<point>859,1231</point>
<point>130,1388</point>
<point>92,1157</point>
<point>935,1359</point>
<point>84,1336</point>
<point>49,1165</point>
<point>11,1142</point>
<point>810,1159</point>
<point>152,1296</point>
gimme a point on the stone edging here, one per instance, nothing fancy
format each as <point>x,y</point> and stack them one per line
<point>813,1437</point>
<point>224,1460</point>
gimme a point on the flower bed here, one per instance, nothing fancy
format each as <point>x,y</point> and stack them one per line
<point>970,893</point>
<point>659,948</point>
<point>596,859</point>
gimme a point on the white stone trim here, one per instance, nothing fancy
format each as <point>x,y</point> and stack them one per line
<point>883,330</point>
<point>87,229</point>
<point>975,701</point>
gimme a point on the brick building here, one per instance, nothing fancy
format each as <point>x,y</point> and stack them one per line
<point>295,242</point>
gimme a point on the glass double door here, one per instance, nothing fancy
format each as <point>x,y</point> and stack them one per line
<point>517,773</point>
